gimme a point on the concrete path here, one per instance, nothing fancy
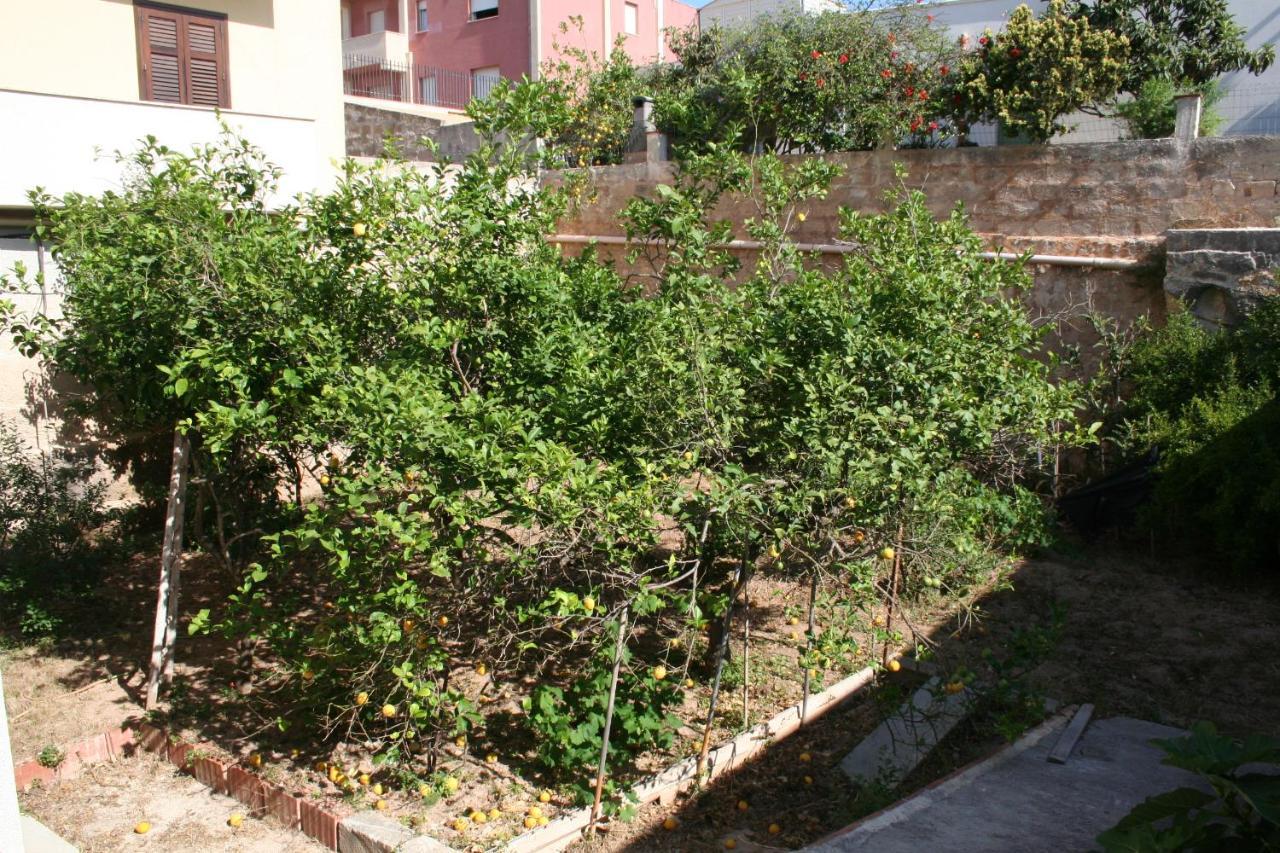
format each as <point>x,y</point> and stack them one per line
<point>38,838</point>
<point>892,751</point>
<point>1019,802</point>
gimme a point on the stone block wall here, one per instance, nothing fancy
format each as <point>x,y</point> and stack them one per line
<point>1222,273</point>
<point>369,128</point>
<point>1114,200</point>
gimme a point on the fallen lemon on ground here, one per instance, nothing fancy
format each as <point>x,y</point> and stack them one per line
<point>544,797</point>
<point>363,778</point>
<point>743,806</point>
<point>377,788</point>
<point>481,669</point>
<point>442,621</point>
<point>688,683</point>
<point>730,844</point>
<point>806,757</point>
<point>235,821</point>
<point>388,711</point>
<point>424,789</point>
<point>670,823</point>
<point>544,820</point>
<point>479,817</point>
<point>530,822</point>
<point>534,812</point>
<point>495,813</point>
<point>774,829</point>
<point>407,625</point>
<point>793,621</point>
<point>450,784</point>
<point>380,805</point>
<point>142,827</point>
<point>588,604</point>
<point>255,759</point>
<point>491,759</point>
<point>460,825</point>
<point>887,553</point>
<point>895,665</point>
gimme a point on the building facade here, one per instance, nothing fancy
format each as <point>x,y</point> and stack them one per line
<point>734,13</point>
<point>444,52</point>
<point>83,79</point>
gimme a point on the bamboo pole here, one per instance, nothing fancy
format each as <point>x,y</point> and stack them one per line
<point>165,634</point>
<point>893,596</point>
<point>608,719</point>
<point>808,646</point>
<point>746,670</point>
<point>743,574</point>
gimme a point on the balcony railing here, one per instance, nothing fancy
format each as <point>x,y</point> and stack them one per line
<point>372,77</point>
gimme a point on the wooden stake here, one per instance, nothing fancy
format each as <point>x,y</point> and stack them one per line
<point>166,628</point>
<point>808,647</point>
<point>746,669</point>
<point>743,575</point>
<point>893,596</point>
<point>608,719</point>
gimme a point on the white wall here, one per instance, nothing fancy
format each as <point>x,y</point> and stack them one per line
<point>731,13</point>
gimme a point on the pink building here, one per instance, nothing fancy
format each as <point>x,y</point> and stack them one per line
<point>442,52</point>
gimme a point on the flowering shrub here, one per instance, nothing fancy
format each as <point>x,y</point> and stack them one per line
<point>1037,70</point>
<point>800,83</point>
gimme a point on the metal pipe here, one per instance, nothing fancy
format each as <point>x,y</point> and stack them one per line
<point>838,249</point>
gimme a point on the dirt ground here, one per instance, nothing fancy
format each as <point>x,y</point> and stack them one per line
<point>1137,638</point>
<point>98,812</point>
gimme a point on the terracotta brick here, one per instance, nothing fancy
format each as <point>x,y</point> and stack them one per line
<point>179,753</point>
<point>122,743</point>
<point>319,824</point>
<point>285,807</point>
<point>151,738</point>
<point>211,772</point>
<point>90,751</point>
<point>30,772</point>
<point>247,788</point>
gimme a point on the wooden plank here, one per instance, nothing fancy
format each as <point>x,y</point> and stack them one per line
<point>1070,735</point>
<point>166,627</point>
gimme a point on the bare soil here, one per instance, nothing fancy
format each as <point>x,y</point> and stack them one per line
<point>99,811</point>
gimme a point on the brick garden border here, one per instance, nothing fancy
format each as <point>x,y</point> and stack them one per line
<point>372,833</point>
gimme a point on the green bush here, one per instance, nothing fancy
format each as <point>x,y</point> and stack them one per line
<point>1152,112</point>
<point>49,508</point>
<point>1208,401</point>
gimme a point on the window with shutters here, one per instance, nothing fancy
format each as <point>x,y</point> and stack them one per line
<point>481,9</point>
<point>182,56</point>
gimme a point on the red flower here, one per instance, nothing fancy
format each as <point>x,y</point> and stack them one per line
<point>929,18</point>
<point>944,70</point>
<point>933,125</point>
<point>815,54</point>
<point>886,73</point>
<point>844,58</point>
<point>821,82</point>
<point>982,40</point>
<point>923,95</point>
<point>915,123</point>
<point>911,90</point>
<point>1015,52</point>
<point>893,55</point>
<point>891,38</point>
<point>804,75</point>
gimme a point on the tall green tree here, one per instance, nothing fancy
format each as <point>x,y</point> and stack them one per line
<point>1188,41</point>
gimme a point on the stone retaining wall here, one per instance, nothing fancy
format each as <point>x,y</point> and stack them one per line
<point>1222,274</point>
<point>369,128</point>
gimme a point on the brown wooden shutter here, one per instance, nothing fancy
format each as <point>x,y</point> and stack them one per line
<point>182,56</point>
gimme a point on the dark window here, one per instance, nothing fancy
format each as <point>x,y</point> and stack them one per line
<point>484,9</point>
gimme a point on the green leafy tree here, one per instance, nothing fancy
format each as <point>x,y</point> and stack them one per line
<point>1037,70</point>
<point>1190,42</point>
<point>1152,112</point>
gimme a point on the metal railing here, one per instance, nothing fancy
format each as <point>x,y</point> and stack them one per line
<point>375,77</point>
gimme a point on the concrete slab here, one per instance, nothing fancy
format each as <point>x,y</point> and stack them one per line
<point>893,750</point>
<point>38,838</point>
<point>1019,801</point>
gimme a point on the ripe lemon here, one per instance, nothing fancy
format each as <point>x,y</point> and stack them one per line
<point>774,552</point>
<point>407,625</point>
<point>460,741</point>
<point>460,825</point>
<point>491,759</point>
<point>235,821</point>
<point>743,806</point>
<point>731,844</point>
<point>544,797</point>
<point>307,675</point>
<point>850,502</point>
<point>670,823</point>
<point>255,760</point>
<point>443,621</point>
<point>362,698</point>
<point>142,827</point>
<point>377,788</point>
<point>534,812</point>
<point>806,757</point>
<point>380,805</point>
<point>479,817</point>
<point>808,780</point>
<point>424,789</point>
<point>895,665</point>
<point>801,216</point>
<point>495,813</point>
<point>793,621</point>
<point>877,620</point>
<point>544,820</point>
<point>450,784</point>
<point>688,456</point>
<point>688,683</point>
<point>675,642</point>
<point>588,604</point>
<point>887,553</point>
<point>859,537</point>
<point>955,687</point>
<point>774,829</point>
<point>481,669</point>
<point>659,673</point>
<point>530,823</point>
<point>363,778</point>
<point>388,710</point>
<point>359,229</point>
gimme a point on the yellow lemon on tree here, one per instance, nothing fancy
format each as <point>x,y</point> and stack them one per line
<point>688,683</point>
<point>481,669</point>
<point>388,710</point>
<point>142,827</point>
<point>443,621</point>
<point>895,665</point>
<point>774,829</point>
<point>324,479</point>
<point>659,673</point>
<point>235,821</point>
<point>359,229</point>
<point>491,759</point>
<point>588,604</point>
<point>460,741</point>
<point>743,805</point>
<point>887,553</point>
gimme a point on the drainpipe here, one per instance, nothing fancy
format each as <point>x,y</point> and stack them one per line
<point>662,9</point>
<point>608,27</point>
<point>535,39</point>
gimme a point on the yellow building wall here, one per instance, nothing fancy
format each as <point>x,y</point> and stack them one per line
<point>285,56</point>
